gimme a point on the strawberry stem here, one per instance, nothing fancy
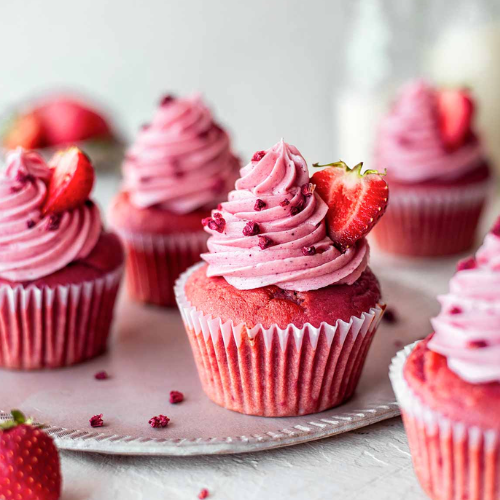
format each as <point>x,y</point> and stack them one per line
<point>356,169</point>
<point>18,418</point>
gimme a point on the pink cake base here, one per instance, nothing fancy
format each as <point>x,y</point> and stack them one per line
<point>154,262</point>
<point>431,222</point>
<point>56,326</point>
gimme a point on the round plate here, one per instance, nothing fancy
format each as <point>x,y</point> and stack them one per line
<point>150,356</point>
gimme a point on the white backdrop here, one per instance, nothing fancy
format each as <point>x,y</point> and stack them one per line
<point>269,68</point>
<point>265,66</point>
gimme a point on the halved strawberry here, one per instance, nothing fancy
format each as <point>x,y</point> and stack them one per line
<point>25,131</point>
<point>71,182</point>
<point>356,200</point>
<point>456,109</point>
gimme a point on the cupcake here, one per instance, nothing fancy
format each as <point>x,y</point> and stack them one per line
<point>180,165</point>
<point>438,172</point>
<point>280,316</point>
<point>59,270</point>
<point>448,386</point>
<point>52,121</point>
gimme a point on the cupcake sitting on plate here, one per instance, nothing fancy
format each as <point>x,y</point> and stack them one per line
<point>437,169</point>
<point>283,312</point>
<point>180,165</point>
<point>59,270</point>
<point>448,386</point>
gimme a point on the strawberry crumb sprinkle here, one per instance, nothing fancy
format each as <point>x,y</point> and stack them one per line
<point>96,421</point>
<point>258,155</point>
<point>309,250</point>
<point>251,229</point>
<point>265,242</point>
<point>203,494</point>
<point>465,264</point>
<point>176,397</point>
<point>259,205</point>
<point>102,375</point>
<point>159,421</point>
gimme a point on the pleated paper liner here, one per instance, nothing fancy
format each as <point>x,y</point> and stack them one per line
<point>452,461</point>
<point>154,262</point>
<point>273,371</point>
<point>437,222</point>
<point>53,327</point>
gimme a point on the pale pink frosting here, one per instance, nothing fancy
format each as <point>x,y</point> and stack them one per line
<point>468,327</point>
<point>278,176</point>
<point>182,161</point>
<point>32,246</point>
<point>409,143</point>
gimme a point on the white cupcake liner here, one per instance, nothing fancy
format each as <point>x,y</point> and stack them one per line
<point>452,459</point>
<point>277,371</point>
<point>52,327</point>
<point>154,262</point>
<point>459,196</point>
<point>431,222</point>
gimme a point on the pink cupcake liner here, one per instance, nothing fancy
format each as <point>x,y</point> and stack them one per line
<point>53,327</point>
<point>277,371</point>
<point>432,222</point>
<point>452,461</point>
<point>154,262</point>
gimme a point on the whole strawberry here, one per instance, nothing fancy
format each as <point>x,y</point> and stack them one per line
<point>29,462</point>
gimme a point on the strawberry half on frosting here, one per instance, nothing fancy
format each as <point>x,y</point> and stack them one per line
<point>356,200</point>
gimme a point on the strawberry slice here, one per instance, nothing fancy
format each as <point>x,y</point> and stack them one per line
<point>456,109</point>
<point>25,132</point>
<point>71,182</point>
<point>356,201</point>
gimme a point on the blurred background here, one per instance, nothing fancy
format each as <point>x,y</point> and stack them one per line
<point>317,73</point>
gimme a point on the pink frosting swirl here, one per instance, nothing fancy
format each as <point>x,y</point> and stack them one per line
<point>468,327</point>
<point>32,246</point>
<point>272,230</point>
<point>182,161</point>
<point>410,145</point>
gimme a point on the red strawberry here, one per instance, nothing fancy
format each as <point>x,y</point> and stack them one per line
<point>66,120</point>
<point>356,201</point>
<point>71,182</point>
<point>25,131</point>
<point>456,109</point>
<point>29,462</point>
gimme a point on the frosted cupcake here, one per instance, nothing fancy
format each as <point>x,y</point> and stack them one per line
<point>59,270</point>
<point>438,172</point>
<point>179,166</point>
<point>280,320</point>
<point>448,386</point>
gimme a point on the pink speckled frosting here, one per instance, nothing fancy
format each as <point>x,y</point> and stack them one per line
<point>468,327</point>
<point>291,249</point>
<point>409,141</point>
<point>182,161</point>
<point>32,246</point>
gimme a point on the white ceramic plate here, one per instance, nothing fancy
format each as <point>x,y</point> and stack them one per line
<point>150,356</point>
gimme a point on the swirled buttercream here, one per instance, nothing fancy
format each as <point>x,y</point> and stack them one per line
<point>33,246</point>
<point>468,327</point>
<point>272,230</point>
<point>181,161</point>
<point>409,143</point>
